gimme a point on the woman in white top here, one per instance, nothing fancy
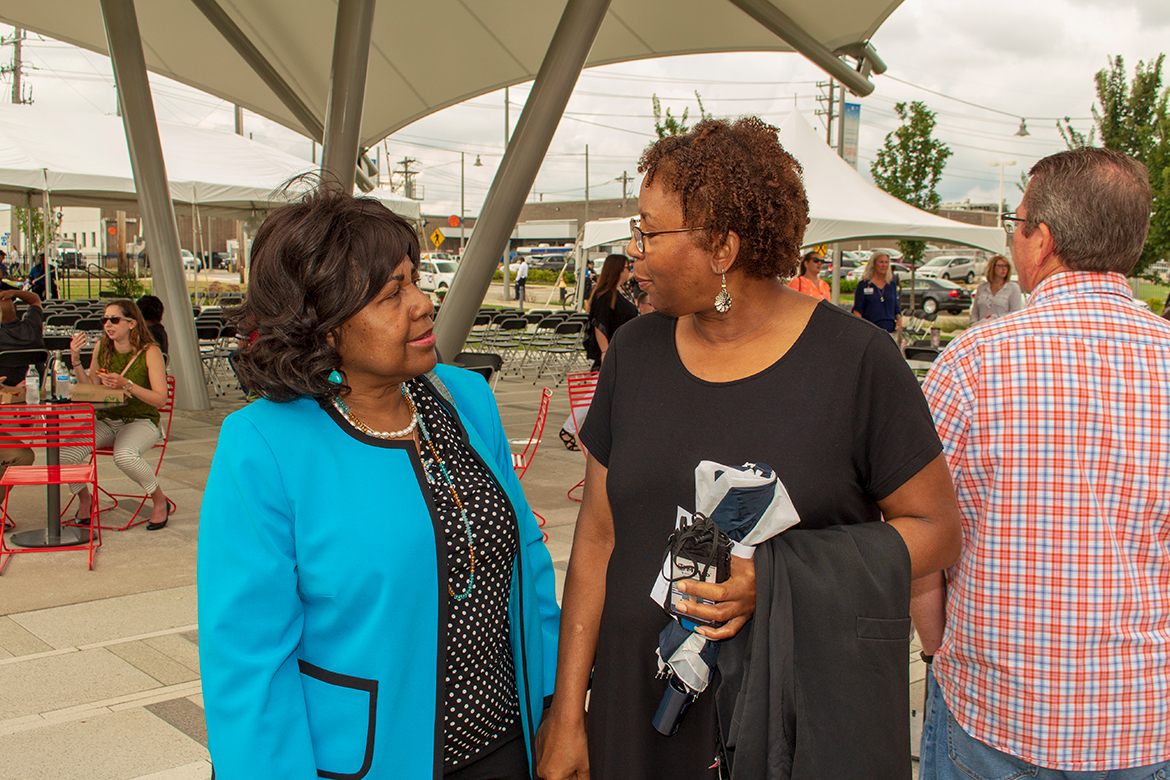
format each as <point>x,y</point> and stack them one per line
<point>999,295</point>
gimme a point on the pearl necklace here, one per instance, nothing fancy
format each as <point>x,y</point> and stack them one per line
<point>353,420</point>
<point>416,420</point>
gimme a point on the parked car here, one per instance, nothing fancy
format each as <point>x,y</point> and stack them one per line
<point>932,295</point>
<point>850,269</point>
<point>950,267</point>
<point>901,271</point>
<point>190,262</point>
<point>547,262</point>
<point>435,275</point>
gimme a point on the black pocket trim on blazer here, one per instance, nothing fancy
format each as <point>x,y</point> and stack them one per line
<point>883,628</point>
<point>357,683</point>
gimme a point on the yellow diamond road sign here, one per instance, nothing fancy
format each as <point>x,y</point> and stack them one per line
<point>437,238</point>
<point>822,250</point>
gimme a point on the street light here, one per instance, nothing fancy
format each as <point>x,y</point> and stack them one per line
<point>999,204</point>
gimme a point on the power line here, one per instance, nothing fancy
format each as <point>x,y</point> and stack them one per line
<point>976,105</point>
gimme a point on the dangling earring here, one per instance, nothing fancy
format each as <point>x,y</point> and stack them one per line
<point>335,377</point>
<point>723,299</point>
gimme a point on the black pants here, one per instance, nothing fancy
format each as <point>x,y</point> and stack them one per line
<point>509,761</point>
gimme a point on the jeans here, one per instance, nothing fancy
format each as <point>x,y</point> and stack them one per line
<point>950,753</point>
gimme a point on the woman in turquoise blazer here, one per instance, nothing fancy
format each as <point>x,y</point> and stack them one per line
<point>375,599</point>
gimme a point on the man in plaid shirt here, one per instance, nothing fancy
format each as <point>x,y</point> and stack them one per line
<point>1051,636</point>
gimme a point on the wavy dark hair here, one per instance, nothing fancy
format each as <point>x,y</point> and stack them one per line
<point>140,337</point>
<point>735,175</point>
<point>315,263</point>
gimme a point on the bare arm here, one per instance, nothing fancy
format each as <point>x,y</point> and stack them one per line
<point>31,298</point>
<point>924,510</point>
<point>156,370</point>
<point>928,602</point>
<point>561,745</point>
<point>84,377</point>
<point>602,341</point>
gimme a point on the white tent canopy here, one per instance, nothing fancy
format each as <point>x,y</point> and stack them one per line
<point>426,56</point>
<point>842,204</point>
<point>82,160</point>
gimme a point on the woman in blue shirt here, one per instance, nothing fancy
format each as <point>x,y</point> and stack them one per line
<point>876,297</point>
<point>375,598</point>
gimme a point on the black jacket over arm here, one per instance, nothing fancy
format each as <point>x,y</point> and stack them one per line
<point>817,685</point>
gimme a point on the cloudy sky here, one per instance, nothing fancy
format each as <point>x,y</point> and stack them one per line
<point>980,66</point>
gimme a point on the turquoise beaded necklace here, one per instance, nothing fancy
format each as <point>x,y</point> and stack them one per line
<point>426,437</point>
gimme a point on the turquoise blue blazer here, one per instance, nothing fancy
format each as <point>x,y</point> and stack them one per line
<point>323,595</point>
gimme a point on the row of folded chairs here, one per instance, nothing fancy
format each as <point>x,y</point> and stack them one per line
<point>535,342</point>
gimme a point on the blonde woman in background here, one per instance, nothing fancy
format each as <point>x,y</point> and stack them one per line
<point>999,295</point>
<point>876,296</point>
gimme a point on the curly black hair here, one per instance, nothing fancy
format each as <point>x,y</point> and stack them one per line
<point>735,176</point>
<point>315,263</point>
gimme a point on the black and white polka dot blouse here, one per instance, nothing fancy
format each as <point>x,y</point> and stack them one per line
<point>482,708</point>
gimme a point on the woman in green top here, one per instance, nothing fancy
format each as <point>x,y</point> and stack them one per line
<point>126,358</point>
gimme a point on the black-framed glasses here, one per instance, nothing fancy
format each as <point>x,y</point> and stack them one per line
<point>1009,221</point>
<point>111,320</point>
<point>641,235</point>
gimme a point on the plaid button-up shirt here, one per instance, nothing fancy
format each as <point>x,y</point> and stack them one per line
<point>1056,426</point>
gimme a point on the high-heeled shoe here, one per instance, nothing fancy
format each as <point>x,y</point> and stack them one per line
<point>163,524</point>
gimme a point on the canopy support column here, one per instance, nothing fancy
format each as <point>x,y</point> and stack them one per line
<point>347,90</point>
<point>530,140</point>
<point>154,200</point>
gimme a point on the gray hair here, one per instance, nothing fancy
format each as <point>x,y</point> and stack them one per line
<point>871,267</point>
<point>1096,203</point>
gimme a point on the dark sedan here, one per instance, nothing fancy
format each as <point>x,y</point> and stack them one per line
<point>932,295</point>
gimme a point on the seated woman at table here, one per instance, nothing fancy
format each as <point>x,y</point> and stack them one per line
<point>375,599</point>
<point>127,359</point>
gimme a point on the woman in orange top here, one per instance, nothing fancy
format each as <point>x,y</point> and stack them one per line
<point>809,282</point>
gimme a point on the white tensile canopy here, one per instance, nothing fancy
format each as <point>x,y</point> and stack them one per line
<point>385,65</point>
<point>82,160</point>
<point>842,204</point>
<point>427,56</point>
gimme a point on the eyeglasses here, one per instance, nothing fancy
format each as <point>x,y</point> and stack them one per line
<point>815,260</point>
<point>640,235</point>
<point>630,266</point>
<point>111,320</point>
<point>1009,222</point>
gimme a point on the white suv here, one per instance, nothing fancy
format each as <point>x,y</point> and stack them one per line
<point>435,275</point>
<point>954,267</point>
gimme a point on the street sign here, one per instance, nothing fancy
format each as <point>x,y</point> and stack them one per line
<point>822,250</point>
<point>437,238</point>
<point>453,220</point>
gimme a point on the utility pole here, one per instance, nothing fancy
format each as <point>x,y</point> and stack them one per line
<point>625,179</point>
<point>408,176</point>
<point>17,69</point>
<point>827,112</point>
<point>241,254</point>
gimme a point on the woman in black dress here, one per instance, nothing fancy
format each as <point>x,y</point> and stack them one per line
<point>733,367</point>
<point>609,308</point>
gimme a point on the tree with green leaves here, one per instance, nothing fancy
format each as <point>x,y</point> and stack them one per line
<point>909,166</point>
<point>669,125</point>
<point>1132,116</point>
<point>31,222</point>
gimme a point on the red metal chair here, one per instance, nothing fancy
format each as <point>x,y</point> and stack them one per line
<point>581,389</point>
<point>166,412</point>
<point>51,428</point>
<point>521,460</point>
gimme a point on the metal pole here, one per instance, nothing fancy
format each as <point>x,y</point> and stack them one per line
<point>774,20</point>
<point>586,183</point>
<point>347,88</point>
<point>554,84</point>
<point>462,206</point>
<point>48,225</point>
<point>154,200</point>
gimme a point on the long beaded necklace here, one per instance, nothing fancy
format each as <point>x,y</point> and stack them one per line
<point>426,437</point>
<point>416,420</point>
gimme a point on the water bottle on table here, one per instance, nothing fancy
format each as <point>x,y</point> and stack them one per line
<point>32,386</point>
